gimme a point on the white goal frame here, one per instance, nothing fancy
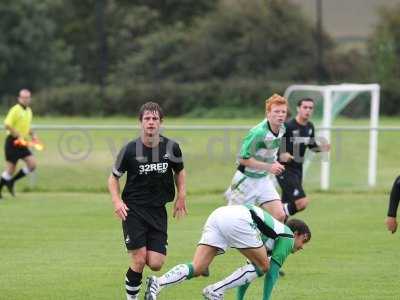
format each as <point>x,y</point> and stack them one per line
<point>327,92</point>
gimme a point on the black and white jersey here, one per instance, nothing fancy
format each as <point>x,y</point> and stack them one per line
<point>296,140</point>
<point>150,180</point>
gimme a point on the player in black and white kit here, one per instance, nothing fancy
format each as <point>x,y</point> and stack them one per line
<point>391,219</point>
<point>300,135</point>
<point>154,166</point>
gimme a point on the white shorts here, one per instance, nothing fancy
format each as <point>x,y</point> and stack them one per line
<point>249,190</point>
<point>230,227</point>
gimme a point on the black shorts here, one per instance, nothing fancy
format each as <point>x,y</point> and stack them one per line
<point>13,153</point>
<point>146,227</point>
<point>291,184</point>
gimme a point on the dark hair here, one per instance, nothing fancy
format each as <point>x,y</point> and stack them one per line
<point>300,227</point>
<point>153,107</point>
<point>300,102</point>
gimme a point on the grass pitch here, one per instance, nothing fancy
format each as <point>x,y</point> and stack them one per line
<point>70,246</point>
<point>60,240</point>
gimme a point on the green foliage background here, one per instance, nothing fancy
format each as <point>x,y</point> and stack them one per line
<point>107,57</point>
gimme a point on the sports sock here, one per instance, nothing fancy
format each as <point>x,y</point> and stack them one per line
<point>133,281</point>
<point>240,277</point>
<point>241,291</point>
<point>6,176</point>
<point>290,208</point>
<point>177,274</point>
<point>21,173</point>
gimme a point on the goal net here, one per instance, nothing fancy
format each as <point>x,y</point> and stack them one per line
<point>331,102</point>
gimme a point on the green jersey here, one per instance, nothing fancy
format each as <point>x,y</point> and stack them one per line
<point>276,236</point>
<point>279,241</point>
<point>263,145</point>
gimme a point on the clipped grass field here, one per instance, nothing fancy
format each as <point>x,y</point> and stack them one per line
<point>60,240</point>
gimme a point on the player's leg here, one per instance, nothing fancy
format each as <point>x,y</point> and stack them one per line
<point>11,155</point>
<point>241,277</point>
<point>155,260</point>
<point>157,240</point>
<point>134,230</point>
<point>133,277</point>
<point>269,199</point>
<point>6,176</point>
<point>301,203</point>
<point>202,259</point>
<point>293,196</point>
<point>235,226</point>
<point>210,244</point>
<point>241,190</point>
<point>275,208</point>
<point>30,162</point>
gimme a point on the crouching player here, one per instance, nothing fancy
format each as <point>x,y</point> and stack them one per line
<point>251,230</point>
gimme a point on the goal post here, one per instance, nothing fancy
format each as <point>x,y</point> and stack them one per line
<point>334,99</point>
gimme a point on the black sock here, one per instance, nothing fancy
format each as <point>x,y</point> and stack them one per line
<point>19,175</point>
<point>292,208</point>
<point>133,281</point>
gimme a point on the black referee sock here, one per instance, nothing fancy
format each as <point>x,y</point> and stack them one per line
<point>19,175</point>
<point>133,281</point>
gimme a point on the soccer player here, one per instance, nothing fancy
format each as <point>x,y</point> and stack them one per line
<point>18,126</point>
<point>391,221</point>
<point>251,230</point>
<point>154,166</point>
<point>300,135</point>
<point>258,159</point>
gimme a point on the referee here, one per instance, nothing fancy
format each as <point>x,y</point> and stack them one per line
<point>300,135</point>
<point>18,126</point>
<point>154,166</point>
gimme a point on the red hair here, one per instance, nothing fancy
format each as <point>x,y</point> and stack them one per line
<point>275,99</point>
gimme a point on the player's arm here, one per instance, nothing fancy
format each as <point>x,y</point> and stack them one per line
<point>323,146</point>
<point>283,248</point>
<point>275,168</point>
<point>12,131</point>
<point>247,156</point>
<point>9,122</point>
<point>119,168</point>
<point>270,279</point>
<point>391,220</point>
<point>179,209</point>
<point>284,155</point>
<point>33,134</point>
<point>180,202</point>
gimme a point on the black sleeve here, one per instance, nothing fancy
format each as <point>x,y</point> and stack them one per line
<point>121,164</point>
<point>176,159</point>
<point>286,140</point>
<point>313,144</point>
<point>394,198</point>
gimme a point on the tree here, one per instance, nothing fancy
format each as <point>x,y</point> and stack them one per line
<point>31,55</point>
<point>249,39</point>
<point>384,51</point>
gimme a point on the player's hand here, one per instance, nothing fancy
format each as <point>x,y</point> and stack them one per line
<point>276,168</point>
<point>285,157</point>
<point>120,209</point>
<point>391,224</point>
<point>325,147</point>
<point>179,208</point>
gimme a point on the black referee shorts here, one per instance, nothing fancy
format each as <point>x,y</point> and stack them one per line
<point>146,227</point>
<point>13,153</point>
<point>291,184</point>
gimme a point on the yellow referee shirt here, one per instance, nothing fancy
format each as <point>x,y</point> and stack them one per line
<point>19,118</point>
